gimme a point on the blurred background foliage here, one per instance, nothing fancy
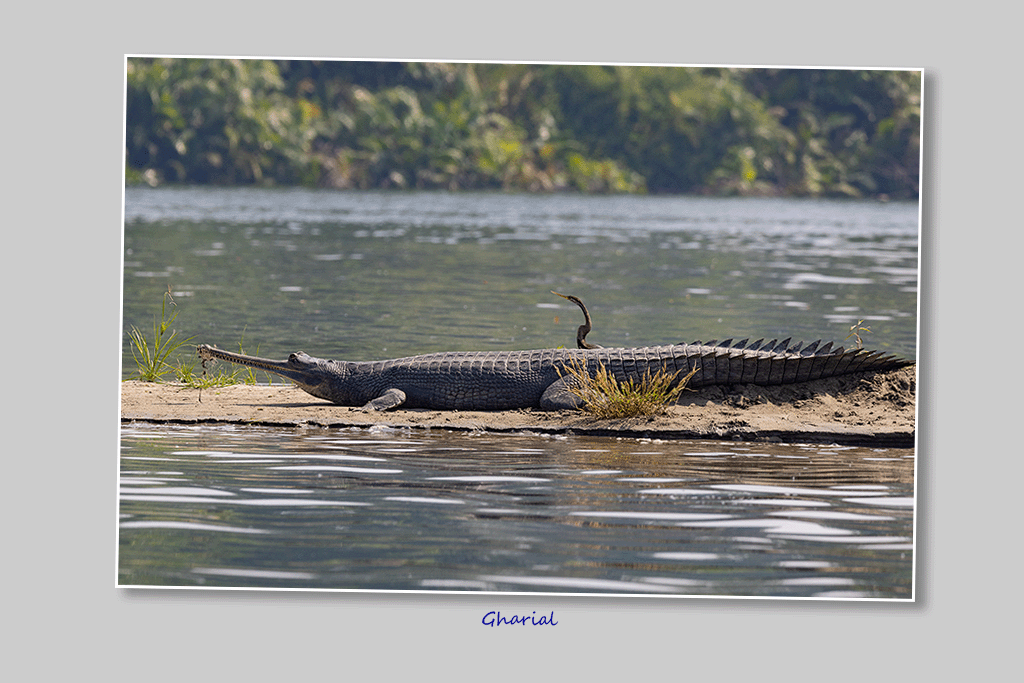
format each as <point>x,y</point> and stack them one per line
<point>525,127</point>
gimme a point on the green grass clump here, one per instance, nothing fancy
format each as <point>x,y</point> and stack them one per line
<point>605,397</point>
<point>188,376</point>
<point>152,358</point>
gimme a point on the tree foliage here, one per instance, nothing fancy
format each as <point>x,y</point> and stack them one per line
<point>350,124</point>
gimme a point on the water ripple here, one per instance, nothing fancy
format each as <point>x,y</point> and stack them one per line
<point>191,526</point>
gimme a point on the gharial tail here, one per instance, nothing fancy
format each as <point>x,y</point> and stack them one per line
<point>775,362</point>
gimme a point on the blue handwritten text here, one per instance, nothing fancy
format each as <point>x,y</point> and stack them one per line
<point>495,619</point>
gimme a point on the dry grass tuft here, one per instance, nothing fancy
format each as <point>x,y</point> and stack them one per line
<point>607,398</point>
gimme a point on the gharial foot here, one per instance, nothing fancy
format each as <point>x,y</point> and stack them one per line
<point>392,398</point>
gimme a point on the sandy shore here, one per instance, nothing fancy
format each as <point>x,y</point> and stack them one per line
<point>863,410</point>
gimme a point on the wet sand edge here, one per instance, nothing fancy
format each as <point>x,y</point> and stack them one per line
<point>858,410</point>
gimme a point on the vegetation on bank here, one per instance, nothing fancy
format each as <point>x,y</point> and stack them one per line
<point>152,355</point>
<point>605,397</point>
<point>159,355</point>
<point>529,127</point>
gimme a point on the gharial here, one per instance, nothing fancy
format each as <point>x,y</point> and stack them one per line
<point>502,380</point>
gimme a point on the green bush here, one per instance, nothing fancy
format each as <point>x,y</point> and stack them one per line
<point>523,127</point>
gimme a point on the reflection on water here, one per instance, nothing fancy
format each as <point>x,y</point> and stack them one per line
<point>221,506</point>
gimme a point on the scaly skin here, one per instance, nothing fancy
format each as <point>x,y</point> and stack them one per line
<point>502,380</point>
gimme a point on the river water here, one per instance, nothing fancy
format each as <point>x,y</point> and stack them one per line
<point>370,275</point>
